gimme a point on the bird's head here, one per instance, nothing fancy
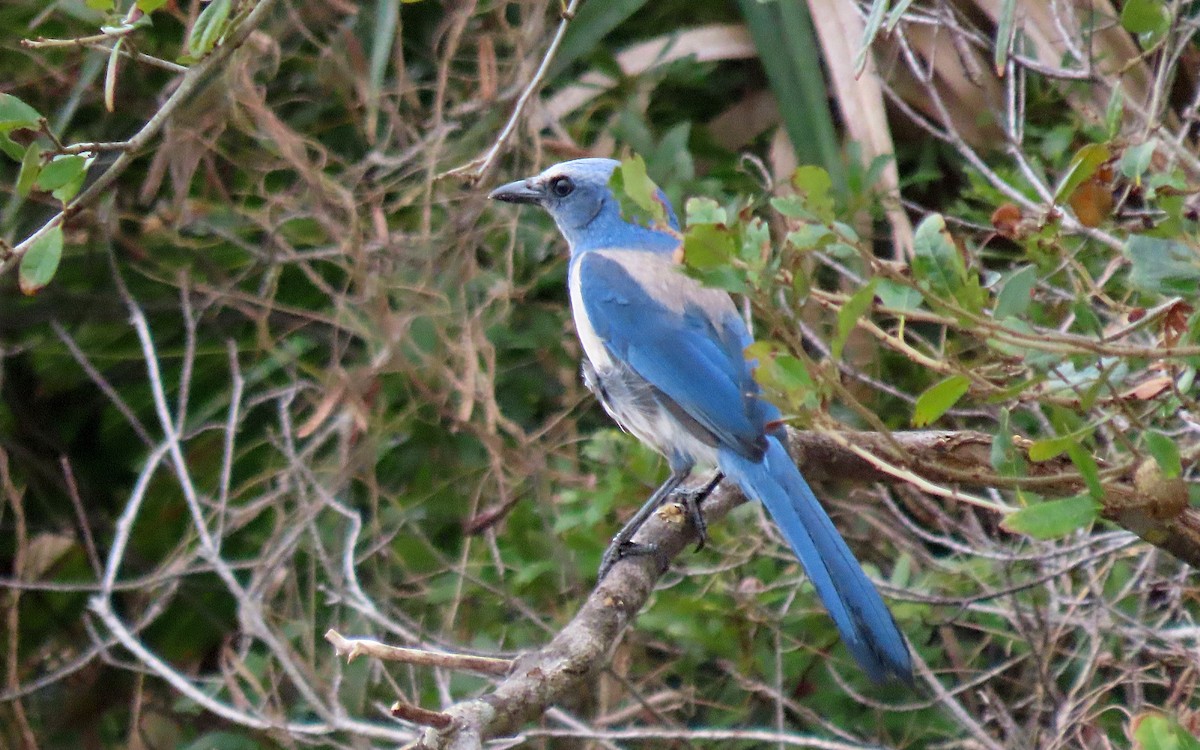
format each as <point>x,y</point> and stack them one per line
<point>577,196</point>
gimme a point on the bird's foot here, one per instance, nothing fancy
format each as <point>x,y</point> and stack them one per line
<point>691,498</point>
<point>619,550</point>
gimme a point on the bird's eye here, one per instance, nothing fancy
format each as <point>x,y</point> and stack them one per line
<point>562,186</point>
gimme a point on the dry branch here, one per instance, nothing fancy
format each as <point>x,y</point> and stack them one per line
<point>353,647</point>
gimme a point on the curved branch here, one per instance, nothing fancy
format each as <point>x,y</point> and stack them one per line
<point>541,678</point>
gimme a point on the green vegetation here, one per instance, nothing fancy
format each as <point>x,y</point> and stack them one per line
<point>278,367</point>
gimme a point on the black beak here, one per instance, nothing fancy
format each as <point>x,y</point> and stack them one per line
<point>517,192</point>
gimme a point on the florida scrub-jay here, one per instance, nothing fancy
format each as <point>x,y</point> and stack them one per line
<point>664,355</point>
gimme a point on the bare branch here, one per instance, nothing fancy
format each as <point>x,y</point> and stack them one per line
<point>352,647</point>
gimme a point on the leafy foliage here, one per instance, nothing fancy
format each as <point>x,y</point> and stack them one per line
<point>282,378</point>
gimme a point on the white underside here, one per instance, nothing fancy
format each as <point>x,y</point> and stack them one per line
<point>654,426</point>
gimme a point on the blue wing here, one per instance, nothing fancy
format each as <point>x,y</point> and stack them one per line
<point>684,339</point>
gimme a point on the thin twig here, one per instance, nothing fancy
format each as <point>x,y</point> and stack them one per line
<point>352,647</point>
<point>474,170</point>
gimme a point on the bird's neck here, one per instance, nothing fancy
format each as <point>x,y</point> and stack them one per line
<point>608,231</point>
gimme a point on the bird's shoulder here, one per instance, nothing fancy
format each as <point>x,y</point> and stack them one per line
<point>627,275</point>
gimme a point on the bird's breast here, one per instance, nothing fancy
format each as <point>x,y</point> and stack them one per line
<point>593,346</point>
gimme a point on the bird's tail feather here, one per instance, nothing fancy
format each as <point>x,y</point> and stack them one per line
<point>858,611</point>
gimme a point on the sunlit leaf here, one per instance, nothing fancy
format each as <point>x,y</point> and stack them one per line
<point>1083,165</point>
<point>60,171</point>
<point>776,369</point>
<point>15,114</point>
<point>704,211</point>
<point>938,398</point>
<point>1086,464</point>
<point>209,26</point>
<point>708,245</point>
<point>638,196</point>
<point>1144,16</point>
<point>31,167</point>
<point>1153,731</point>
<point>1047,448</point>
<point>813,186</point>
<point>1054,518</point>
<point>849,314</point>
<point>40,261</point>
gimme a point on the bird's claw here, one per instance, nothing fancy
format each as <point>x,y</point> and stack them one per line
<point>691,499</point>
<point>619,550</point>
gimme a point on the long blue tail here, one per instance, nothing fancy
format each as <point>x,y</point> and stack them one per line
<point>858,611</point>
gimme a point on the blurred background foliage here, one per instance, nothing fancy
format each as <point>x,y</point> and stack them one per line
<point>375,386</point>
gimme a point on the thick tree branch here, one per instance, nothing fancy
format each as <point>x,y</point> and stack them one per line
<point>541,678</point>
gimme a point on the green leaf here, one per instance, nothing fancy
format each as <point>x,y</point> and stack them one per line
<point>69,189</point>
<point>813,186</point>
<point>1004,456</point>
<point>1163,266</point>
<point>1114,113</point>
<point>778,370</point>
<point>60,171</point>
<point>870,29</point>
<point>897,14</point>
<point>707,246</point>
<point>1153,731</point>
<point>1086,464</point>
<point>1136,160</point>
<point>11,148</point>
<point>209,26</point>
<point>1047,448</point>
<point>40,261</point>
<point>898,296</point>
<point>1053,519</point>
<point>149,6</point>
<point>16,114</point>
<point>1083,165</point>
<point>585,33</point>
<point>938,398</point>
<point>938,266</point>
<point>31,167</point>
<point>1166,454</point>
<point>704,211</point>
<point>810,236</point>
<point>1015,294</point>
<point>1005,30</point>
<point>637,194</point>
<point>849,314</point>
<point>1145,17</point>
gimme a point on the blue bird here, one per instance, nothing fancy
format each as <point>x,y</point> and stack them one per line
<point>664,355</point>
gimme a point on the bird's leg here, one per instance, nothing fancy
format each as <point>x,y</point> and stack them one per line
<point>622,544</point>
<point>691,501</point>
